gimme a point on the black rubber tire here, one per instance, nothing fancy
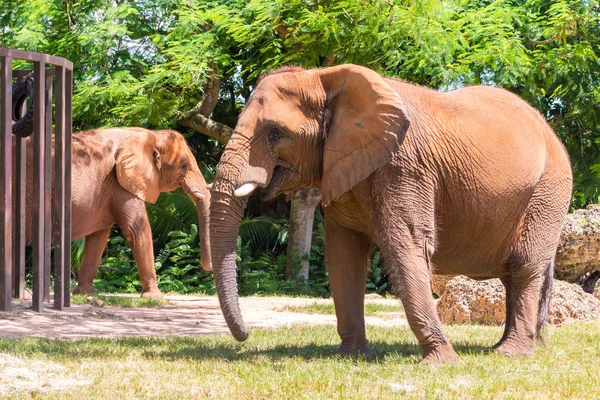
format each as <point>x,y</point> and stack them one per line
<point>22,90</point>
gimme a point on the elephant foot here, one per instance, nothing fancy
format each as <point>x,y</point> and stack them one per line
<point>355,351</point>
<point>153,294</point>
<point>85,290</point>
<point>443,353</point>
<point>513,348</point>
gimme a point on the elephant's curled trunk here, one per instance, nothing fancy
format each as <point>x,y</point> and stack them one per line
<point>225,219</point>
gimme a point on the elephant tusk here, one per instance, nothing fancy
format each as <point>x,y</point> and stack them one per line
<point>209,186</point>
<point>245,189</point>
<point>199,195</point>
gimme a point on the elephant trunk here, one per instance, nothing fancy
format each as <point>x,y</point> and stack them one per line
<point>195,187</point>
<point>203,207</point>
<point>225,219</point>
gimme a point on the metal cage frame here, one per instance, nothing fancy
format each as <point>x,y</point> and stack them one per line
<point>45,222</point>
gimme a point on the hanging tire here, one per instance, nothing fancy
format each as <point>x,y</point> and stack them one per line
<point>22,90</point>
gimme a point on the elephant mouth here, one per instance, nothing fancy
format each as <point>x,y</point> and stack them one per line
<point>272,188</point>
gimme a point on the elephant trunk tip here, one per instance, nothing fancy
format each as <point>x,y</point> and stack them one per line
<point>240,335</point>
<point>206,265</point>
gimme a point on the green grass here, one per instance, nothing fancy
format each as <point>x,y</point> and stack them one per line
<point>297,363</point>
<point>118,301</point>
<point>320,308</point>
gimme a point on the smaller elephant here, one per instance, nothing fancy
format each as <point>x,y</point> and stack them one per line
<point>114,171</point>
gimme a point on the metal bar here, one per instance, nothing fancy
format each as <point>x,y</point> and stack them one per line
<point>48,190</point>
<point>39,163</point>
<point>6,185</point>
<point>36,57</point>
<point>59,191</point>
<point>67,185</point>
<point>19,220</point>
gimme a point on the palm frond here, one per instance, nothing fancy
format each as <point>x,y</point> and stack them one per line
<point>262,233</point>
<point>77,247</point>
<point>174,211</point>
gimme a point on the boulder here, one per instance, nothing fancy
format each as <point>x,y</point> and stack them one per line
<point>570,302</point>
<point>578,250</point>
<point>467,301</point>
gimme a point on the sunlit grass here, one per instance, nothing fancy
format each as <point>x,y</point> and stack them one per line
<point>321,308</point>
<point>298,363</point>
<point>117,301</point>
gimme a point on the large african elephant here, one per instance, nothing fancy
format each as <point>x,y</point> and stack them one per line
<point>470,182</point>
<point>114,171</point>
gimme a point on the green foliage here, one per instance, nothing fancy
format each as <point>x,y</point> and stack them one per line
<point>263,233</point>
<point>377,280</point>
<point>117,271</point>
<point>178,265</point>
<point>173,211</point>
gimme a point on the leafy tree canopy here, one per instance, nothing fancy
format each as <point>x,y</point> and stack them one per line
<point>149,62</point>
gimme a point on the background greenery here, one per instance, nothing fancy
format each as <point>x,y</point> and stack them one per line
<point>144,63</point>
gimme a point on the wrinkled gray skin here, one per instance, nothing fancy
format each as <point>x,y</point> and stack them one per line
<point>470,182</point>
<point>114,171</point>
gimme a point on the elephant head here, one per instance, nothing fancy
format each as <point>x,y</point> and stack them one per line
<point>151,162</point>
<point>329,128</point>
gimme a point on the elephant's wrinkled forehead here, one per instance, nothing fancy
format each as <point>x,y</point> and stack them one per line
<point>174,144</point>
<point>282,97</point>
<point>296,86</point>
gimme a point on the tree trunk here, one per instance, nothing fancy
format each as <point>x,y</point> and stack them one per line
<point>302,214</point>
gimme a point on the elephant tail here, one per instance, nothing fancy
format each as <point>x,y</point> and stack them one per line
<point>544,304</point>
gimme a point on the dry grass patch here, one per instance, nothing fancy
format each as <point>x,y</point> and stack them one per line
<point>34,376</point>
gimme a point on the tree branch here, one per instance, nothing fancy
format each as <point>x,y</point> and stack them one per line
<point>211,90</point>
<point>206,126</point>
<point>197,117</point>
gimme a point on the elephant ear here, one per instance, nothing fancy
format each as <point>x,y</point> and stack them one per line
<point>138,166</point>
<point>367,125</point>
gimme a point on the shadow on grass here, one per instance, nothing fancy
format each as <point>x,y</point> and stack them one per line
<point>211,347</point>
<point>409,351</point>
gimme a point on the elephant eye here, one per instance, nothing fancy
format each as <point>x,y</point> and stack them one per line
<point>183,166</point>
<point>274,136</point>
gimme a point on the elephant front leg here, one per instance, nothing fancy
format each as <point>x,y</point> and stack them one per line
<point>347,255</point>
<point>134,223</point>
<point>92,253</point>
<point>409,272</point>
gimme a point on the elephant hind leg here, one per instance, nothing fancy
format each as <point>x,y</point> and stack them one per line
<point>528,292</point>
<point>531,263</point>
<point>529,286</point>
<point>524,298</point>
<point>92,253</point>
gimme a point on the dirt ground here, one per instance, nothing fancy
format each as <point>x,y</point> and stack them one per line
<point>182,316</point>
